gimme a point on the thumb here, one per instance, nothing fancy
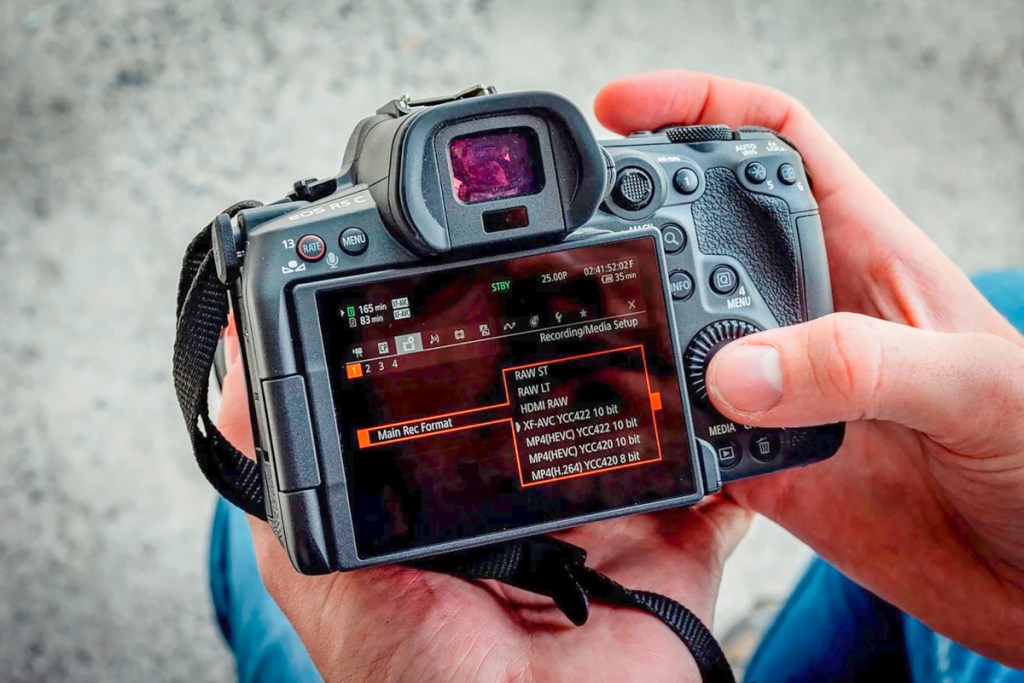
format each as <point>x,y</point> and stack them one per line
<point>963,390</point>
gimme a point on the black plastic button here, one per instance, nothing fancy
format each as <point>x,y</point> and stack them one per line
<point>680,283</point>
<point>724,280</point>
<point>728,453</point>
<point>673,238</point>
<point>634,189</point>
<point>686,181</point>
<point>764,445</point>
<point>353,241</point>
<point>787,174</point>
<point>756,172</point>
<point>311,248</point>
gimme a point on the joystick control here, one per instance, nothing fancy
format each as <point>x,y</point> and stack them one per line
<point>634,189</point>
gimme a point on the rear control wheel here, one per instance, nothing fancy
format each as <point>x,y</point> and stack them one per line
<point>706,344</point>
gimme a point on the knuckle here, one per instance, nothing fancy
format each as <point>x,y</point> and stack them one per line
<point>784,109</point>
<point>846,359</point>
<point>1004,386</point>
<point>989,383</point>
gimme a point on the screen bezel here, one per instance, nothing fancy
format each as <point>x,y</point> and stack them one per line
<point>334,491</point>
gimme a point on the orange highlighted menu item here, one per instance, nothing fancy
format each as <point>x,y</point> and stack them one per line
<point>561,426</point>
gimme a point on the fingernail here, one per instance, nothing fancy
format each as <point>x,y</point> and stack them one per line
<point>747,376</point>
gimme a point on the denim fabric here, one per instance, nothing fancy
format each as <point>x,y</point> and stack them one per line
<point>266,647</point>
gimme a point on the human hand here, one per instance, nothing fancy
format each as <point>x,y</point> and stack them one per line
<point>924,503</point>
<point>396,623</point>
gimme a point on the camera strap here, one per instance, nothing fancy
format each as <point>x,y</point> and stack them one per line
<point>539,564</point>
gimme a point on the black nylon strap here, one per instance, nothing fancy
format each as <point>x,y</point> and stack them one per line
<point>554,568</point>
<point>202,312</point>
<point>691,630</point>
<point>539,564</point>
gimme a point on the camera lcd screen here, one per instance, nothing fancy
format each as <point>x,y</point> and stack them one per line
<point>496,164</point>
<point>497,396</point>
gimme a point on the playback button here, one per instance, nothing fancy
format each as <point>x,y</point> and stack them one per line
<point>728,454</point>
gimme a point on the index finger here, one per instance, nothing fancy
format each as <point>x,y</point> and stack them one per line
<point>653,100</point>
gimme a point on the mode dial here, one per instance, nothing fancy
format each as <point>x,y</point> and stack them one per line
<point>706,344</point>
<point>634,189</point>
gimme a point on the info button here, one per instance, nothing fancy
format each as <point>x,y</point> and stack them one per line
<point>353,241</point>
<point>680,283</point>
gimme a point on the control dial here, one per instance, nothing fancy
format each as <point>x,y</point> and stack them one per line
<point>705,344</point>
<point>634,189</point>
<point>688,134</point>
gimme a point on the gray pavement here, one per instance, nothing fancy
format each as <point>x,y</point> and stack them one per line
<point>125,125</point>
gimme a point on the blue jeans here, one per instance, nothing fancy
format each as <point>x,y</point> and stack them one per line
<point>830,629</point>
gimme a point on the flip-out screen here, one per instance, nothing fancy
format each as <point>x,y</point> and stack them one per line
<point>478,399</point>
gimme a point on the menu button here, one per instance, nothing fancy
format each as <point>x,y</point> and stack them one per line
<point>353,241</point>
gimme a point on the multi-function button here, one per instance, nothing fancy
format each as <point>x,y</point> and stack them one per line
<point>680,284</point>
<point>764,445</point>
<point>673,238</point>
<point>756,172</point>
<point>686,181</point>
<point>311,248</point>
<point>353,241</point>
<point>728,454</point>
<point>724,280</point>
<point>787,174</point>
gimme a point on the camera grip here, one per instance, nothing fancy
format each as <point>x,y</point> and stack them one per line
<point>757,231</point>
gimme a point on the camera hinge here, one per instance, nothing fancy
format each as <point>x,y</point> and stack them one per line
<point>311,189</point>
<point>405,104</point>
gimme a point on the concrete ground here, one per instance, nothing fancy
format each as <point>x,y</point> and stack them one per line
<point>125,125</point>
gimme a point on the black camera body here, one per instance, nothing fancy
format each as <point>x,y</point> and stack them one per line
<point>489,325</point>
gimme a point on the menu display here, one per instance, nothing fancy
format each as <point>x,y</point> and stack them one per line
<point>483,398</point>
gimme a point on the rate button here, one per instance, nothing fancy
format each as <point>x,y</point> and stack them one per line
<point>311,248</point>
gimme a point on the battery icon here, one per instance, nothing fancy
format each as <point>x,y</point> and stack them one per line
<point>607,279</point>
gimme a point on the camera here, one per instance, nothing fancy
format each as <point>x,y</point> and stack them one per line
<point>490,325</point>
